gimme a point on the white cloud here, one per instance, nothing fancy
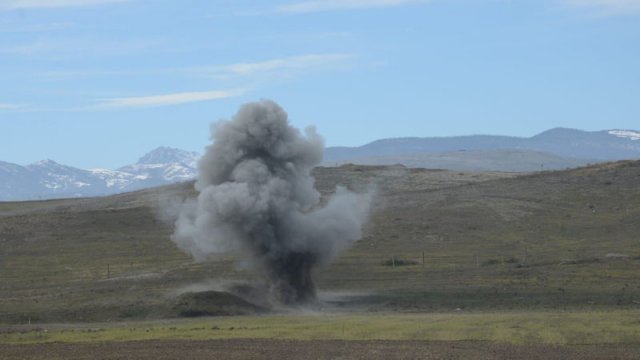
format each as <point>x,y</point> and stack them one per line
<point>331,5</point>
<point>284,66</point>
<point>27,49</point>
<point>78,74</point>
<point>168,99</point>
<point>5,106</point>
<point>241,77</point>
<point>35,4</point>
<point>292,63</point>
<point>608,7</point>
<point>84,47</point>
<point>33,28</point>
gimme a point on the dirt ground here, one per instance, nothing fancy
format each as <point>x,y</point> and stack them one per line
<point>322,349</point>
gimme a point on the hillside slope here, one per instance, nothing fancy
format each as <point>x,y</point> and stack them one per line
<point>556,239</point>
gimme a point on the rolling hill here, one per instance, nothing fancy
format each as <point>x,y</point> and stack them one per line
<point>559,148</point>
<point>437,241</point>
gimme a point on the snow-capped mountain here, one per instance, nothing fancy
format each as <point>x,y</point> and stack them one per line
<point>552,149</point>
<point>162,166</point>
<point>47,179</point>
<point>627,134</point>
<point>168,155</point>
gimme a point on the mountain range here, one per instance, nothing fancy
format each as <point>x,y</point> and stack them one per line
<point>47,179</point>
<point>557,148</point>
<point>553,149</point>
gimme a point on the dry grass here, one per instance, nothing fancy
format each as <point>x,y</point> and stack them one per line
<point>492,242</point>
<point>561,328</point>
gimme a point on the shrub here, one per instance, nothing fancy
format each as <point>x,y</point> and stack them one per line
<point>399,262</point>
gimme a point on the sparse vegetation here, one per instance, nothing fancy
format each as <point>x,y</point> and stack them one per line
<point>614,327</point>
<point>399,262</point>
<point>523,250</point>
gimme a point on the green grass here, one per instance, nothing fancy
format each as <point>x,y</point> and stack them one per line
<point>565,328</point>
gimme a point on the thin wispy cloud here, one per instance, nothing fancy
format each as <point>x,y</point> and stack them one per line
<point>35,28</point>
<point>27,49</point>
<point>608,7</point>
<point>334,5</point>
<point>39,4</point>
<point>167,99</point>
<point>6,106</point>
<point>242,77</point>
<point>84,47</point>
<point>93,73</point>
<point>284,66</point>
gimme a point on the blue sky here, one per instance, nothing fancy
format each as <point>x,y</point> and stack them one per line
<point>97,83</point>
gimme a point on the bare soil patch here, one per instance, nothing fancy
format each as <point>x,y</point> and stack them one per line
<point>322,349</point>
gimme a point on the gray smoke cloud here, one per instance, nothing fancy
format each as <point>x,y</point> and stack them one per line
<point>257,198</point>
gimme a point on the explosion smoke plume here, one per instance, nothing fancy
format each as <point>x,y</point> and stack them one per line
<point>257,197</point>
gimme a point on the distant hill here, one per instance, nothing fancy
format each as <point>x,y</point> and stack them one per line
<point>558,148</point>
<point>480,160</point>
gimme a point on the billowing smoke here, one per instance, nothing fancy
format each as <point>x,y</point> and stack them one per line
<point>257,198</point>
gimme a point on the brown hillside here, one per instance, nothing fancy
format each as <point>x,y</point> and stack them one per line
<point>490,240</point>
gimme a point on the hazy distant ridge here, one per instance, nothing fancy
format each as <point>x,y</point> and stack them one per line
<point>598,145</point>
<point>557,148</point>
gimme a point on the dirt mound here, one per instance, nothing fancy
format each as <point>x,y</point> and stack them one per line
<point>213,303</point>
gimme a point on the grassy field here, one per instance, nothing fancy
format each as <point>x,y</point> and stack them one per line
<point>559,328</point>
<point>492,242</point>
